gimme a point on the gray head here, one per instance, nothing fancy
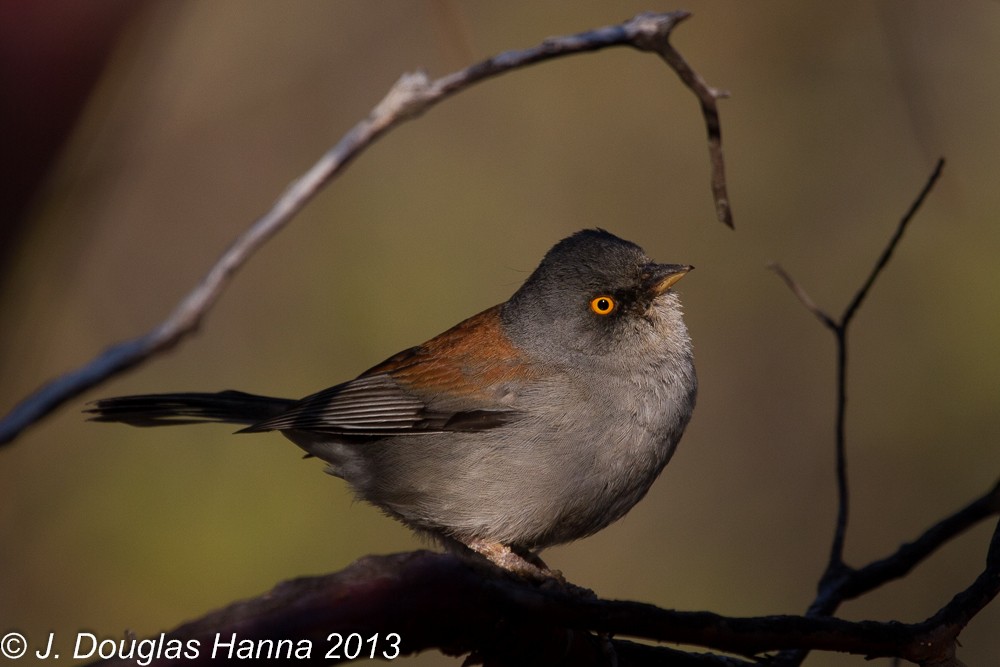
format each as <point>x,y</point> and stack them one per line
<point>593,294</point>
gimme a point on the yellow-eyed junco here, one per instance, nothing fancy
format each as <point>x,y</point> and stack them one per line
<point>536,422</point>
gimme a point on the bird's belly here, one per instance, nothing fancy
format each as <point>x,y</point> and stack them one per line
<point>529,493</point>
<point>534,483</point>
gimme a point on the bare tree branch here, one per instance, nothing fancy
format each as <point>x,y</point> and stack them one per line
<point>886,255</point>
<point>442,601</point>
<point>707,96</point>
<point>412,95</point>
<point>857,582</point>
<point>836,566</point>
<point>803,296</point>
<point>838,577</point>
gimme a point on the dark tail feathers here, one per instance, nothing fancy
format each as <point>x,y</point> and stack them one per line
<point>228,407</point>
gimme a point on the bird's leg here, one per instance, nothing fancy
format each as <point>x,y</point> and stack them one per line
<point>506,558</point>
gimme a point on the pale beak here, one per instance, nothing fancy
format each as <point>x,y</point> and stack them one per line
<point>663,276</point>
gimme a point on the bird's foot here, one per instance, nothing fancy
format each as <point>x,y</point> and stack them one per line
<point>506,558</point>
<point>530,566</point>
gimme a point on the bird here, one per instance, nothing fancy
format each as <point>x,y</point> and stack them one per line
<point>536,422</point>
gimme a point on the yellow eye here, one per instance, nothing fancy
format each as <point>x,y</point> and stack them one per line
<point>602,305</point>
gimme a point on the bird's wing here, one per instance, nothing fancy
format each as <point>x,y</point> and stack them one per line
<point>375,405</point>
<point>458,381</point>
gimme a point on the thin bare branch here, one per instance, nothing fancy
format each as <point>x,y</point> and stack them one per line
<point>707,96</point>
<point>803,296</point>
<point>901,562</point>
<point>883,260</point>
<point>836,567</point>
<point>837,572</point>
<point>955,615</point>
<point>412,95</point>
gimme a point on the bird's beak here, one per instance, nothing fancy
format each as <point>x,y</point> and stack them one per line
<point>663,276</point>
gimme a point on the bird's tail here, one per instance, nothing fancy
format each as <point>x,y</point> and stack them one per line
<point>227,407</point>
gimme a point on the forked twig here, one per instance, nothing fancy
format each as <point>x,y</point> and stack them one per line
<point>839,327</point>
<point>412,95</point>
<point>838,578</point>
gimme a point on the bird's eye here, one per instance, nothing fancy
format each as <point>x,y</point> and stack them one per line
<point>602,305</point>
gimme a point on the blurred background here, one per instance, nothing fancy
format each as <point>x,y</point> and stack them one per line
<point>141,137</point>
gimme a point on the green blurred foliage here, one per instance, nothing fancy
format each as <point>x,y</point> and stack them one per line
<point>208,110</point>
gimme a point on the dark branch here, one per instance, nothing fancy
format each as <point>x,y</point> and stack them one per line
<point>803,296</point>
<point>883,260</point>
<point>442,601</point>
<point>412,95</point>
<point>908,556</point>
<point>836,566</point>
<point>839,581</point>
<point>955,615</point>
